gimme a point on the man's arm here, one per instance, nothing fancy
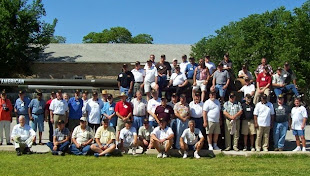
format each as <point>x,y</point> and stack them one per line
<point>255,121</point>
<point>227,83</point>
<point>29,113</point>
<point>205,118</point>
<point>118,115</point>
<point>228,115</point>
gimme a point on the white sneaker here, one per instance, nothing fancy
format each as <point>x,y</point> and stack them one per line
<point>210,147</point>
<point>165,155</point>
<point>185,154</point>
<point>304,149</point>
<point>134,151</point>
<point>252,149</point>
<point>196,155</point>
<point>215,147</point>
<point>297,149</point>
<point>159,155</point>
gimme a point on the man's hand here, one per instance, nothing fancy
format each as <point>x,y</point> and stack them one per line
<point>78,146</point>
<point>256,125</point>
<point>145,142</point>
<point>302,126</point>
<point>162,140</point>
<point>52,120</point>
<point>205,82</point>
<point>129,91</point>
<point>55,148</point>
<point>224,87</point>
<point>194,84</point>
<point>205,124</point>
<point>31,118</point>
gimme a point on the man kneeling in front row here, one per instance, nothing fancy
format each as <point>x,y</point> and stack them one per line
<point>61,139</point>
<point>23,136</point>
<point>189,140</point>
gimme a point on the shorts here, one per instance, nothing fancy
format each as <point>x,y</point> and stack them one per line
<point>148,86</point>
<point>213,128</point>
<point>73,123</point>
<point>37,122</point>
<point>299,132</point>
<point>120,124</point>
<point>199,84</point>
<point>248,127</point>
<point>163,146</point>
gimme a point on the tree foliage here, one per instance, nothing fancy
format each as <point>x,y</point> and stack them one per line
<point>117,35</point>
<point>58,39</point>
<point>280,35</point>
<point>22,35</point>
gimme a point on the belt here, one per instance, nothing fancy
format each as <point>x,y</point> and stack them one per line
<point>37,114</point>
<point>23,114</point>
<point>59,114</point>
<point>139,115</point>
<point>139,82</point>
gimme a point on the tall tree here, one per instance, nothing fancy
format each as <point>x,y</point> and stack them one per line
<point>143,38</point>
<point>22,35</point>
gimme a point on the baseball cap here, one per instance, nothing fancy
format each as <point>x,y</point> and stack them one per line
<point>279,68</point>
<point>77,91</point>
<point>162,119</point>
<point>21,92</point>
<point>149,60</point>
<point>286,63</point>
<point>145,120</point>
<point>38,92</point>
<point>174,59</point>
<point>123,94</point>
<point>61,122</point>
<point>247,79</point>
<point>281,96</point>
<point>105,120</point>
<point>83,119</point>
<point>174,94</point>
<point>95,93</point>
<point>264,96</point>
<point>248,96</point>
<point>232,95</point>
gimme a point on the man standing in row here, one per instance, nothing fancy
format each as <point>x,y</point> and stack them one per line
<point>75,110</point>
<point>125,81</point>
<point>58,109</point>
<point>5,117</point>
<point>21,107</point>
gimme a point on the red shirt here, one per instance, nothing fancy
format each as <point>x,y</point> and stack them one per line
<point>263,80</point>
<point>5,115</point>
<point>123,108</point>
<point>47,105</point>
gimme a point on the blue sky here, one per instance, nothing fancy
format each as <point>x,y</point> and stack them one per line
<point>168,21</point>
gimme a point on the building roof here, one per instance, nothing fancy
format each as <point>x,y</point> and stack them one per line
<point>111,53</point>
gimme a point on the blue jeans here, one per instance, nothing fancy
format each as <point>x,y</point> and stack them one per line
<point>279,133</point>
<point>153,123</point>
<point>126,90</point>
<point>219,88</point>
<point>292,87</point>
<point>162,83</point>
<point>198,123</point>
<point>181,126</point>
<point>80,151</point>
<point>61,147</point>
<point>137,122</point>
<point>37,122</point>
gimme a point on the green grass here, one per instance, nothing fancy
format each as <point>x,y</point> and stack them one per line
<point>46,164</point>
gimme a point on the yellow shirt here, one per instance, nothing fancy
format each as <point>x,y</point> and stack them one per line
<point>105,134</point>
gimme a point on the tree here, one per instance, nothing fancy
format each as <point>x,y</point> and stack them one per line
<point>58,39</point>
<point>116,35</point>
<point>22,35</point>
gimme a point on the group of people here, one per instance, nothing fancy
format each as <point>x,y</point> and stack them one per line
<point>160,121</point>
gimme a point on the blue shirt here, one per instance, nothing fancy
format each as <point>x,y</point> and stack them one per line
<point>37,106</point>
<point>109,109</point>
<point>190,69</point>
<point>75,108</point>
<point>22,106</point>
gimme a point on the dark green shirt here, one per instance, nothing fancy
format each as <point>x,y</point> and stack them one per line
<point>281,113</point>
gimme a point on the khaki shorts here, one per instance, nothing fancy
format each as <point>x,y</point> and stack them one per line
<point>58,117</point>
<point>213,128</point>
<point>248,127</point>
<point>73,123</point>
<point>199,84</point>
<point>149,86</point>
<point>120,124</point>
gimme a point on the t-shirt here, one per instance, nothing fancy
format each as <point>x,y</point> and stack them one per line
<point>213,109</point>
<point>248,74</point>
<point>150,74</point>
<point>123,108</point>
<point>82,136</point>
<point>145,133</point>
<point>59,106</point>
<point>37,107</point>
<point>138,74</point>
<point>61,134</point>
<point>127,135</point>
<point>190,69</point>
<point>281,112</point>
<point>178,79</point>
<point>221,77</point>
<point>289,75</point>
<point>191,138</point>
<point>164,112</point>
<point>211,66</point>
<point>93,107</point>
<point>162,133</point>
<point>163,68</point>
<point>183,66</point>
<point>195,109</point>
<point>75,108</point>
<point>247,89</point>
<point>105,135</point>
<point>151,106</point>
<point>139,107</point>
<point>248,110</point>
<point>298,114</point>
<point>263,113</point>
<point>263,80</point>
<point>125,78</point>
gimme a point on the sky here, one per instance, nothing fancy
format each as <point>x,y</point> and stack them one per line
<point>167,21</point>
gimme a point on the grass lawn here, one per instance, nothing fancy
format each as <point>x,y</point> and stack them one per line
<point>46,164</point>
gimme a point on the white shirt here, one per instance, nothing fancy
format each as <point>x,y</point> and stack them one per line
<point>248,73</point>
<point>247,89</point>
<point>82,136</point>
<point>151,106</point>
<point>59,106</point>
<point>162,134</point>
<point>150,74</point>
<point>24,132</point>
<point>93,109</point>
<point>191,138</point>
<point>298,114</point>
<point>138,74</point>
<point>146,66</point>
<point>183,66</point>
<point>195,109</point>
<point>211,67</point>
<point>213,109</point>
<point>139,107</point>
<point>128,135</point>
<point>263,113</point>
<point>178,79</point>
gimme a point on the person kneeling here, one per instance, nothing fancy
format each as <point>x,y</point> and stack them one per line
<point>145,135</point>
<point>82,137</point>
<point>128,137</point>
<point>104,137</point>
<point>60,139</point>
<point>189,140</point>
<point>23,136</point>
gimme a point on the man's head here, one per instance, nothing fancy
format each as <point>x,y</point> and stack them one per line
<point>263,98</point>
<point>266,70</point>
<point>59,94</point>
<point>77,93</point>
<point>281,99</point>
<point>95,95</point>
<point>174,97</point>
<point>149,63</point>
<point>110,98</point>
<point>39,94</point>
<point>207,59</point>
<point>21,94</point>
<point>152,57</point>
<point>163,101</point>
<point>21,120</point>
<point>286,66</point>
<point>220,66</point>
<point>279,70</point>
<point>197,97</point>
<point>297,102</point>
<point>66,96</point>
<point>162,123</point>
<point>226,57</point>
<point>123,96</point>
<point>232,97</point>
<point>212,95</point>
<point>248,98</point>
<point>105,123</point>
<point>162,58</point>
<point>53,95</point>
<point>3,94</point>
<point>244,68</point>
<point>137,65</point>
<point>104,94</point>
<point>146,122</point>
<point>84,95</point>
<point>183,98</point>
<point>154,94</point>
<point>247,81</point>
<point>201,62</point>
<point>128,124</point>
<point>177,69</point>
<point>191,124</point>
<point>83,122</point>
<point>125,67</point>
<point>139,95</point>
<point>264,61</point>
<point>61,124</point>
<point>175,61</point>
<point>192,60</point>
<point>184,58</point>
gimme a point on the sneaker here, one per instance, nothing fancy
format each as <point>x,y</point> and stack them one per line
<point>9,143</point>
<point>61,153</point>
<point>159,155</point>
<point>210,148</point>
<point>107,155</point>
<point>18,153</point>
<point>54,153</point>
<point>258,149</point>
<point>304,149</point>
<point>165,155</point>
<point>281,149</point>
<point>265,150</point>
<point>276,149</point>
<point>196,155</point>
<point>297,149</point>
<point>236,149</point>
<point>185,154</point>
<point>227,149</point>
<point>96,155</point>
<point>133,151</point>
<point>245,149</point>
<point>252,149</point>
<point>34,143</point>
<point>27,150</point>
<point>215,147</point>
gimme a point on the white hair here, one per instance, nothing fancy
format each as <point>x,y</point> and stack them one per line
<point>21,117</point>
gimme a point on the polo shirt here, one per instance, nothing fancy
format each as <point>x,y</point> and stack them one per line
<point>289,75</point>
<point>127,135</point>
<point>248,110</point>
<point>93,108</point>
<point>75,108</point>
<point>61,134</point>
<point>247,89</point>
<point>263,113</point>
<point>298,114</point>
<point>125,78</point>
<point>221,77</point>
<point>183,66</point>
<point>232,108</point>
<point>178,79</point>
<point>163,68</point>
<point>82,136</point>
<point>195,109</point>
<point>24,132</point>
<point>181,109</point>
<point>123,108</point>
<point>211,66</point>
<point>59,106</point>
<point>150,74</point>
<point>37,107</point>
<point>105,135</point>
<point>22,106</point>
<point>248,74</point>
<point>213,109</point>
<point>190,69</point>
<point>139,107</point>
<point>145,133</point>
<point>281,112</point>
<point>5,115</point>
<point>151,106</point>
<point>191,138</point>
<point>164,112</point>
<point>109,109</point>
<point>162,133</point>
<point>263,80</point>
<point>138,75</point>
